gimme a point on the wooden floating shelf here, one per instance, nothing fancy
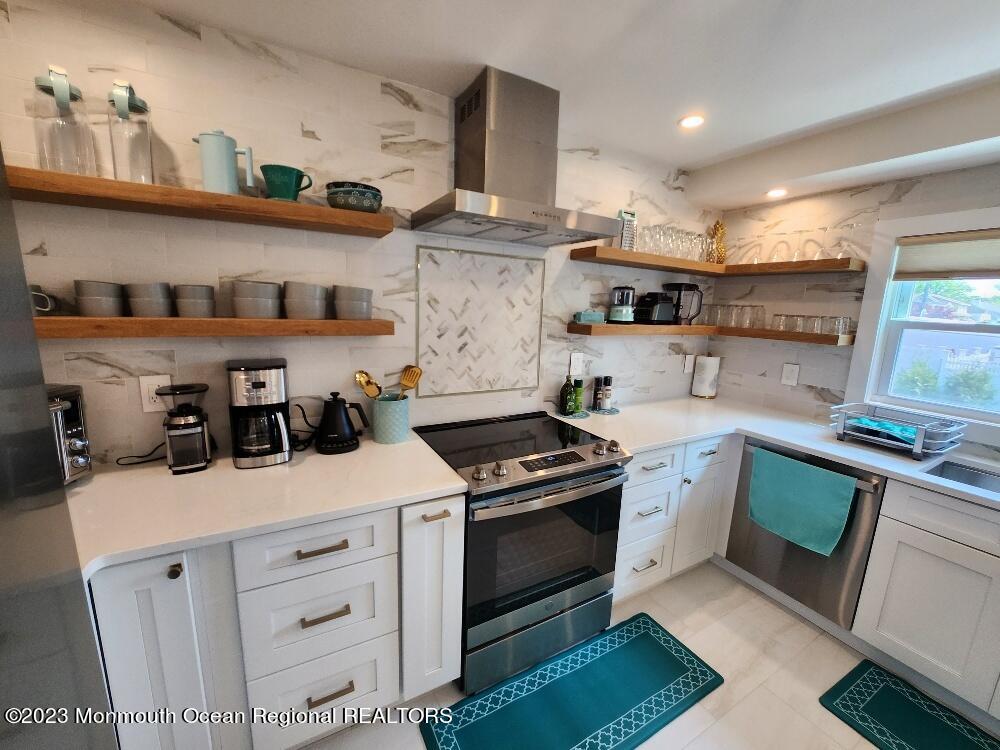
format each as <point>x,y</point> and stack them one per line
<point>60,327</point>
<point>642,329</point>
<point>638,329</point>
<point>827,339</point>
<point>95,192</point>
<point>613,256</point>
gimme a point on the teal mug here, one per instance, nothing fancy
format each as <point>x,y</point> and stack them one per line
<point>284,183</point>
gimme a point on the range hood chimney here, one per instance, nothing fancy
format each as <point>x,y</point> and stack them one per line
<point>506,137</point>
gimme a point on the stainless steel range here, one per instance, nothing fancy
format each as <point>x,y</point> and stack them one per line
<point>542,517</point>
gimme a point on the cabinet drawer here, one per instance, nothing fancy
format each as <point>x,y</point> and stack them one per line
<point>644,563</point>
<point>704,453</point>
<point>365,675</point>
<point>649,509</point>
<point>306,618</point>
<point>955,519</point>
<point>283,555</point>
<point>653,465</point>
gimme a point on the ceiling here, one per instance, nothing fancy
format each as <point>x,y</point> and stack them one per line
<point>763,72</point>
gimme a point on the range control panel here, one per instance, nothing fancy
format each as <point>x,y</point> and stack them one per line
<point>552,461</point>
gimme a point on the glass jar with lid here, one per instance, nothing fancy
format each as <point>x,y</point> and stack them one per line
<point>131,134</point>
<point>62,131</point>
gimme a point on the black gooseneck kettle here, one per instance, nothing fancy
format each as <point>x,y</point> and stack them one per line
<point>336,433</point>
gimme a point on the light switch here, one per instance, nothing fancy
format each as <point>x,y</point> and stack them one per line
<point>790,374</point>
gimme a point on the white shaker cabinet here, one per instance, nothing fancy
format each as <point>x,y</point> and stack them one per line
<point>146,619</point>
<point>432,539</point>
<point>697,516</point>
<point>913,578</point>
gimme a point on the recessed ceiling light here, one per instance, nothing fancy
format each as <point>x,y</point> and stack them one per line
<point>690,122</point>
<point>777,193</point>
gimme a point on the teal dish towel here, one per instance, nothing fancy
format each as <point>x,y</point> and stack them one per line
<point>804,504</point>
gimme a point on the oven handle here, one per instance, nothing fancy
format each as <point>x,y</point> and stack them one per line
<point>547,501</point>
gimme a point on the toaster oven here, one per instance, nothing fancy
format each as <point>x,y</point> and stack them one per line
<point>72,444</point>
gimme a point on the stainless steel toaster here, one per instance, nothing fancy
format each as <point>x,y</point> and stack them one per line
<point>69,428</point>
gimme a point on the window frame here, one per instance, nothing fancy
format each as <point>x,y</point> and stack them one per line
<point>894,328</point>
<point>897,226</point>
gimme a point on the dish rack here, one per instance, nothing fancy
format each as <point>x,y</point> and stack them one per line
<point>919,435</point>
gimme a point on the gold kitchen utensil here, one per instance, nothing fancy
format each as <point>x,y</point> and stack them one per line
<point>368,384</point>
<point>409,379</point>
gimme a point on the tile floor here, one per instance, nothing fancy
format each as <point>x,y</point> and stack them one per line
<point>776,665</point>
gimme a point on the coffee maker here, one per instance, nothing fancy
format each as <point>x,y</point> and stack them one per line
<point>185,428</point>
<point>258,412</point>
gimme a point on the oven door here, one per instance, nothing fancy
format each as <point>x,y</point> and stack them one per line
<point>533,553</point>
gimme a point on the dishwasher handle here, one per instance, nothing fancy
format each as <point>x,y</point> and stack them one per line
<point>869,487</point>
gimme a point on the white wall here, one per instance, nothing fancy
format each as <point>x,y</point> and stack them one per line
<point>835,223</point>
<point>280,101</point>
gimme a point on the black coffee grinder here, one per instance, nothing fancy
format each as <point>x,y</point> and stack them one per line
<point>185,428</point>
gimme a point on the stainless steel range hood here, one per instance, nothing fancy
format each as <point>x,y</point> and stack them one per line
<point>506,130</point>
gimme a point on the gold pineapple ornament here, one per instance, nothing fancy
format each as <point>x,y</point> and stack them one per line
<point>717,248</point>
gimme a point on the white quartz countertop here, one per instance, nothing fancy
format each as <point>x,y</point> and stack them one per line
<point>121,515</point>
<point>128,514</point>
<point>643,427</point>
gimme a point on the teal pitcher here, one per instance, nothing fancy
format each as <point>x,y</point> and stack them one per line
<point>218,162</point>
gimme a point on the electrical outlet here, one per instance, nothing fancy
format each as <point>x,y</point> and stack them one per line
<point>689,363</point>
<point>789,374</point>
<point>147,392</point>
<point>576,365</point>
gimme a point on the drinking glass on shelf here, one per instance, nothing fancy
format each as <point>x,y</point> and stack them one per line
<point>709,314</point>
<point>837,324</point>
<point>779,322</point>
<point>644,239</point>
<point>733,315</point>
<point>796,323</point>
<point>812,324</point>
<point>660,240</point>
<point>758,317</point>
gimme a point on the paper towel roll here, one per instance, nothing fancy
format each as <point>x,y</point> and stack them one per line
<point>705,383</point>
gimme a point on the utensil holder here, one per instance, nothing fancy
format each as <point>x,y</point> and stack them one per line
<point>391,419</point>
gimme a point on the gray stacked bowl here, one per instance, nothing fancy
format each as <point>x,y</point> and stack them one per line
<point>256,299</point>
<point>149,300</point>
<point>305,301</point>
<point>352,303</point>
<point>195,300</point>
<point>99,299</point>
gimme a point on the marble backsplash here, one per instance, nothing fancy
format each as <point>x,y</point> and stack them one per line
<point>339,123</point>
<point>829,225</point>
<point>91,243</point>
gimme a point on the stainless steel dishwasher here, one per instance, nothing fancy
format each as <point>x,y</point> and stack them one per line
<point>830,585</point>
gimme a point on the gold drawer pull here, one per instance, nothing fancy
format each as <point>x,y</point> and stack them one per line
<point>342,612</point>
<point>650,512</point>
<point>654,467</point>
<point>647,566</point>
<point>338,547</point>
<point>311,703</point>
<point>437,516</point>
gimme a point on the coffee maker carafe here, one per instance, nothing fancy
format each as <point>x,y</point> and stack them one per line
<point>258,412</point>
<point>185,428</point>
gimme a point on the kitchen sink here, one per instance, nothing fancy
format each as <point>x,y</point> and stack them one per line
<point>970,475</point>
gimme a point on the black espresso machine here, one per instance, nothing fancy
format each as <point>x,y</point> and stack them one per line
<point>677,304</point>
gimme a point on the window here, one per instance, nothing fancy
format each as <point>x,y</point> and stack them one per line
<point>942,330</point>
